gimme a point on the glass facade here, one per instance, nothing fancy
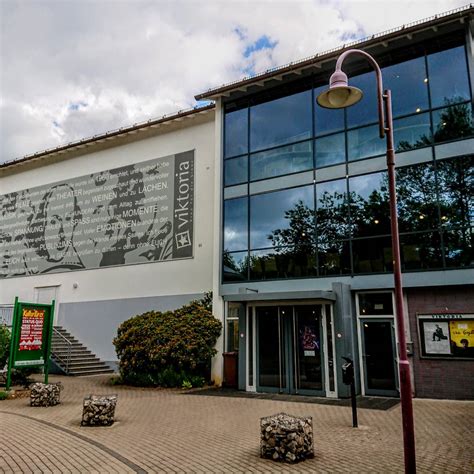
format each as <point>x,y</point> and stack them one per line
<point>341,226</point>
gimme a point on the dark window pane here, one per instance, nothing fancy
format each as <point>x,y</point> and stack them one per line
<point>452,123</point>
<point>327,120</point>
<point>412,132</point>
<point>372,255</point>
<point>282,218</point>
<point>448,77</point>
<point>235,266</point>
<point>281,121</point>
<point>416,198</point>
<point>235,224</point>
<point>236,133</point>
<point>369,205</point>
<point>365,142</point>
<point>365,111</point>
<point>459,247</point>
<point>375,304</point>
<point>456,191</point>
<point>235,171</point>
<point>332,213</point>
<point>280,161</point>
<point>409,85</point>
<point>330,150</point>
<point>334,258</point>
<point>421,251</point>
<point>281,263</point>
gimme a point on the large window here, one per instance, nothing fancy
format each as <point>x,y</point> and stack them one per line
<point>340,224</point>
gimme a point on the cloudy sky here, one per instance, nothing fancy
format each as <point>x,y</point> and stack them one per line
<point>74,68</point>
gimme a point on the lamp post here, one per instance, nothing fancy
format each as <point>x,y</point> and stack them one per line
<point>340,95</point>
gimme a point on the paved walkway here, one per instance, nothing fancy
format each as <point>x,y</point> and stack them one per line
<point>168,431</point>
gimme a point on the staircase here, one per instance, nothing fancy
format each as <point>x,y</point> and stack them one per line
<point>73,357</point>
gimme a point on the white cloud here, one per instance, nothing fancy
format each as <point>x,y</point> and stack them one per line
<point>131,61</point>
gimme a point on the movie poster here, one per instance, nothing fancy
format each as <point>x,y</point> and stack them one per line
<point>31,331</point>
<point>436,335</point>
<point>462,337</point>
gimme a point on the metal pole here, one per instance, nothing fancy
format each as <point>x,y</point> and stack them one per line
<point>404,366</point>
<point>354,404</point>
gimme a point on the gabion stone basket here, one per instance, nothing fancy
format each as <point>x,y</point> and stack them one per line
<point>286,438</point>
<point>45,394</point>
<point>99,410</point>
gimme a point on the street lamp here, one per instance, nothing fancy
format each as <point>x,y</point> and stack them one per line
<point>340,95</point>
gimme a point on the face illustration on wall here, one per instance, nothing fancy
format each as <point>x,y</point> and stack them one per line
<point>58,229</point>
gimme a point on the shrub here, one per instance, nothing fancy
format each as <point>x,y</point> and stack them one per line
<point>167,348</point>
<point>4,345</point>
<point>3,395</point>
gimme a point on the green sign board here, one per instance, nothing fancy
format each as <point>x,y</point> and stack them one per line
<point>30,345</point>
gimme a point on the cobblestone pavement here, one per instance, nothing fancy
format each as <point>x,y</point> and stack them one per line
<point>169,431</point>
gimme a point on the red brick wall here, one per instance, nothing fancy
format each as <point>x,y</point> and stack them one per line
<point>451,379</point>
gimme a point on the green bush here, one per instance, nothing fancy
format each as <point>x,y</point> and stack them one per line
<point>3,395</point>
<point>4,345</point>
<point>167,348</point>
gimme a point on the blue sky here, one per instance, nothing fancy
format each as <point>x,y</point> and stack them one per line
<point>78,68</point>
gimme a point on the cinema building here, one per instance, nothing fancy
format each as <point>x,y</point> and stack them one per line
<point>281,207</point>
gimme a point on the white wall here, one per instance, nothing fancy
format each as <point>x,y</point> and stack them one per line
<point>180,277</point>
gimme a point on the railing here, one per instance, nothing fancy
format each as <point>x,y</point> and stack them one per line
<point>6,314</point>
<point>65,361</point>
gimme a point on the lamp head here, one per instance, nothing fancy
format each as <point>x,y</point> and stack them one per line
<point>340,94</point>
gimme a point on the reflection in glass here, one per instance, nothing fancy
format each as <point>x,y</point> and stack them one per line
<point>409,86</point>
<point>281,121</point>
<point>416,198</point>
<point>282,218</point>
<point>421,251</point>
<point>281,263</point>
<point>372,255</point>
<point>456,191</point>
<point>236,133</point>
<point>271,348</point>
<point>234,266</point>
<point>235,171</point>
<point>365,111</point>
<point>448,76</point>
<point>452,123</point>
<point>327,120</point>
<point>334,258</point>
<point>375,304</point>
<point>412,132</point>
<point>331,212</point>
<point>365,142</point>
<point>330,150</point>
<point>369,205</point>
<point>308,372</point>
<point>459,247</point>
<point>235,224</point>
<point>279,161</point>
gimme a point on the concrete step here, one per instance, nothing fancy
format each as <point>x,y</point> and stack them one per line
<point>88,371</point>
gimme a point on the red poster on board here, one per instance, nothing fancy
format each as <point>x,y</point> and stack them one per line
<point>31,334</point>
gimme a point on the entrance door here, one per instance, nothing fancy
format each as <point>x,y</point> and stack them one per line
<point>378,352</point>
<point>289,349</point>
<point>46,294</point>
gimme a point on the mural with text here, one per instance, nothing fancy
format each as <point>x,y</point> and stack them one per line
<point>134,214</point>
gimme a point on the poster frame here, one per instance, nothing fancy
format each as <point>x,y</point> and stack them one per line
<point>440,317</point>
<point>47,333</point>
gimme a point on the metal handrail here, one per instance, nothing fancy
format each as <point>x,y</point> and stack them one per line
<point>58,357</point>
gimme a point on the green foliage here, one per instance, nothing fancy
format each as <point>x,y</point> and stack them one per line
<point>167,348</point>
<point>3,395</point>
<point>187,384</point>
<point>4,345</point>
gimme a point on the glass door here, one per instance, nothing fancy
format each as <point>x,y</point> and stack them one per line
<point>379,356</point>
<point>307,349</point>
<point>271,353</point>
<point>289,352</point>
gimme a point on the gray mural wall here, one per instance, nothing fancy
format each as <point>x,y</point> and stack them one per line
<point>138,213</point>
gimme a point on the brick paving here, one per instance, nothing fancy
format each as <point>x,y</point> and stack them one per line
<point>169,431</point>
